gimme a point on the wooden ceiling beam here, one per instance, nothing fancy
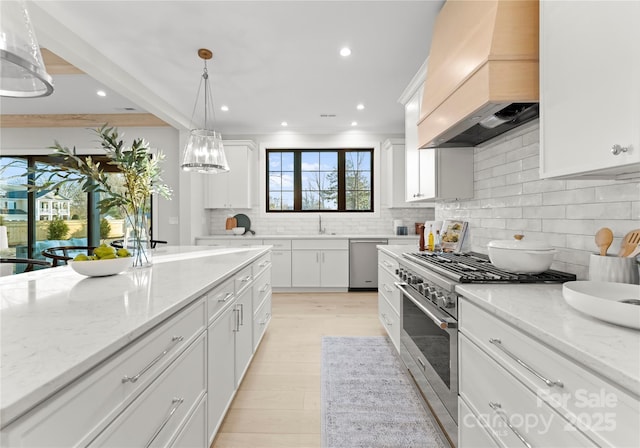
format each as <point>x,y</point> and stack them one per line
<point>55,65</point>
<point>79,120</point>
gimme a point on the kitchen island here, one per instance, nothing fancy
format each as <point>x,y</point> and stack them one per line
<point>61,330</point>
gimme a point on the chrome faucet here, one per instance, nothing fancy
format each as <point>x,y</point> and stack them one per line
<point>320,229</point>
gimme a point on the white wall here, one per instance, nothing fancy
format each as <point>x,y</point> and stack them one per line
<point>379,222</point>
<point>510,198</point>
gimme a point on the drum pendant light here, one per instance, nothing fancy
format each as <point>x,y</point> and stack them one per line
<point>204,151</point>
<point>22,71</point>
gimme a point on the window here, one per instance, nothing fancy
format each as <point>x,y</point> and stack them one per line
<point>30,226</point>
<point>327,180</point>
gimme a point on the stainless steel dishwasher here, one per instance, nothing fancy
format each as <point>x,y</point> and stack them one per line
<point>363,263</point>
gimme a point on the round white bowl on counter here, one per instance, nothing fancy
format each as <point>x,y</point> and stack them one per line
<point>521,257</point>
<point>101,268</point>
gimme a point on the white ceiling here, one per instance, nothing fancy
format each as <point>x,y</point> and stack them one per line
<point>273,61</point>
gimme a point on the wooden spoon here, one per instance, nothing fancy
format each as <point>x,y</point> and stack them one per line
<point>629,243</point>
<point>604,238</point>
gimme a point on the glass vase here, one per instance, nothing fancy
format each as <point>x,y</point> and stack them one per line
<point>136,238</point>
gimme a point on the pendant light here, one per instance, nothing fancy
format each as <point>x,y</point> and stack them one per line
<point>204,151</point>
<point>22,71</point>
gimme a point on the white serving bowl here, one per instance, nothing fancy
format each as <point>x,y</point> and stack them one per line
<point>238,230</point>
<point>521,257</point>
<point>609,301</point>
<point>101,268</point>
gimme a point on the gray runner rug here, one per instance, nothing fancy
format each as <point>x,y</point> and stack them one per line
<point>368,400</point>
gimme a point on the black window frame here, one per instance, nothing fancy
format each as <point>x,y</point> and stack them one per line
<point>297,195</point>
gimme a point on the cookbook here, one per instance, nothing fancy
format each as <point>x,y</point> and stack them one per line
<point>452,235</point>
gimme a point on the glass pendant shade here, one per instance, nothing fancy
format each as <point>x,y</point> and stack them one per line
<point>22,71</point>
<point>204,152</point>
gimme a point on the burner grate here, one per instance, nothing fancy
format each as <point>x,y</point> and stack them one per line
<point>473,267</point>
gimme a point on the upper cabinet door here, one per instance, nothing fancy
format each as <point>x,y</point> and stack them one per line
<point>590,89</point>
<point>233,189</point>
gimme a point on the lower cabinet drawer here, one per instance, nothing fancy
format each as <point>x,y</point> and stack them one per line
<point>158,414</point>
<point>194,432</point>
<point>497,397</point>
<point>261,288</point>
<point>390,320</point>
<point>599,409</point>
<point>218,298</point>
<point>242,279</point>
<point>261,320</point>
<point>472,433</point>
<point>386,285</point>
<point>261,264</point>
<point>81,410</point>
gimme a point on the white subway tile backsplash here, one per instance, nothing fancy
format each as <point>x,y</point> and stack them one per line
<point>564,213</point>
<point>581,196</point>
<point>599,211</point>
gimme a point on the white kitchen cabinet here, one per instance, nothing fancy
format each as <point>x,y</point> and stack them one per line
<point>194,433</point>
<point>233,189</point>
<point>243,334</point>
<point>590,89</point>
<point>158,415</point>
<point>221,356</point>
<point>570,405</point>
<point>280,263</point>
<point>472,432</point>
<point>393,158</point>
<point>389,297</point>
<point>320,263</point>
<point>434,173</point>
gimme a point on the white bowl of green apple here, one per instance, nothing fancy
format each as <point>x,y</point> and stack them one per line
<point>105,260</point>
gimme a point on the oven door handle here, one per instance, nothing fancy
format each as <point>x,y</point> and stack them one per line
<point>442,323</point>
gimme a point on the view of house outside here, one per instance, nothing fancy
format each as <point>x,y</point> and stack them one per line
<point>60,216</point>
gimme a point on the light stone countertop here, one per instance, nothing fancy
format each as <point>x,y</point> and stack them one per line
<point>56,324</point>
<point>539,310</point>
<point>308,237</point>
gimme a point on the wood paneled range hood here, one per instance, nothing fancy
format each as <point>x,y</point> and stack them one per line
<point>482,72</point>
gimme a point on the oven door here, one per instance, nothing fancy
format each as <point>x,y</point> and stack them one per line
<point>431,338</point>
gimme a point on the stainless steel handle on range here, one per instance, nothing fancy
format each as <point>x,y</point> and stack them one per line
<point>226,297</point>
<point>617,149</point>
<point>442,323</point>
<point>497,407</point>
<point>176,402</point>
<point>498,343</point>
<point>133,379</point>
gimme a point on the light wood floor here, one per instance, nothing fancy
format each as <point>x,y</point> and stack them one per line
<point>278,403</point>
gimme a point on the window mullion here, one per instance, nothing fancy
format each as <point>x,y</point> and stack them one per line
<point>342,201</point>
<point>297,180</point>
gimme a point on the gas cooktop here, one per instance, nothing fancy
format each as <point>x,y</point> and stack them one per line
<point>472,267</point>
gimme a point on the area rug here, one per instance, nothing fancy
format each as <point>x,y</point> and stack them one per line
<point>368,399</point>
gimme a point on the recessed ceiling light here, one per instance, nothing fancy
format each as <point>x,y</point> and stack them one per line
<point>284,123</point>
<point>345,51</point>
<point>360,106</point>
<point>354,123</point>
<point>224,108</point>
<point>101,93</point>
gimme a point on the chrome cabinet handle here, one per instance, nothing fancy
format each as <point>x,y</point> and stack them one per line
<point>498,343</point>
<point>317,257</point>
<point>617,149</point>
<point>264,263</point>
<point>236,311</point>
<point>443,324</point>
<point>241,305</point>
<point>264,288</point>
<point>246,279</point>
<point>133,379</point>
<point>323,257</point>
<point>386,263</point>
<point>226,297</point>
<point>497,407</point>
<point>266,319</point>
<point>387,288</point>
<point>176,402</point>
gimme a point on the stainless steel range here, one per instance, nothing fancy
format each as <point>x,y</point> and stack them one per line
<point>429,338</point>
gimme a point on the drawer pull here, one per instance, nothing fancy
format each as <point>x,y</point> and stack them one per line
<point>498,343</point>
<point>386,263</point>
<point>266,319</point>
<point>226,297</point>
<point>386,321</point>
<point>264,288</point>
<point>133,379</point>
<point>497,407</point>
<point>264,263</point>
<point>246,279</point>
<point>241,305</point>
<point>176,402</point>
<point>387,288</point>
